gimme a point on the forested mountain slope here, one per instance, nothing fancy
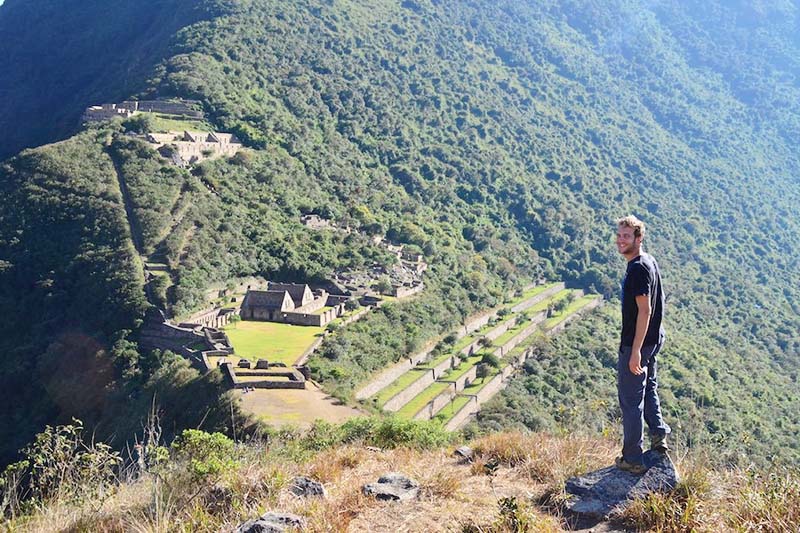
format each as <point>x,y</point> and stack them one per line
<point>502,138</point>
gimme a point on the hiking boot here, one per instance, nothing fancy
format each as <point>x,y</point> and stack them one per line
<point>633,468</point>
<point>659,443</point>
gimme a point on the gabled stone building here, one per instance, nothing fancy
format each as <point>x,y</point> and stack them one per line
<point>292,303</point>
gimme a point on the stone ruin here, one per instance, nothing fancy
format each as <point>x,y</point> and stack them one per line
<point>128,108</point>
<point>293,303</point>
<point>190,147</point>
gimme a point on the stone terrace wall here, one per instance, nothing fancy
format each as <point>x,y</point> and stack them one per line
<point>444,367</point>
<point>501,329</point>
<point>494,385</point>
<point>303,359</point>
<point>386,377</point>
<point>435,405</point>
<point>406,395</point>
<point>405,292</point>
<point>467,378</point>
<point>530,302</point>
<point>522,335</point>
<point>585,309</point>
<point>463,414</point>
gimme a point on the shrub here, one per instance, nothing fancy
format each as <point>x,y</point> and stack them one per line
<point>60,465</point>
<point>394,432</point>
<point>207,454</point>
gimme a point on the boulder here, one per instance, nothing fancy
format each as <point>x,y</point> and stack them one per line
<point>393,486</point>
<point>307,487</point>
<point>272,523</point>
<point>598,494</point>
<point>464,453</point>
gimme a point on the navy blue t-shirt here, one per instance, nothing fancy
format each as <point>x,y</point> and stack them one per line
<point>642,277</point>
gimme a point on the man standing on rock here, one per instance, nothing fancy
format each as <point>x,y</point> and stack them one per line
<point>641,340</point>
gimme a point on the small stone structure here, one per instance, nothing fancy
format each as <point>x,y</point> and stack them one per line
<point>216,317</point>
<point>271,378</point>
<point>103,112</point>
<point>292,303</point>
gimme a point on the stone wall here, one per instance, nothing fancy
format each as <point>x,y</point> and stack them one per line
<point>444,367</point>
<point>585,309</point>
<point>303,359</point>
<point>501,329</point>
<point>494,385</point>
<point>530,302</point>
<point>389,375</point>
<point>435,405</point>
<point>405,292</point>
<point>293,378</point>
<point>271,384</point>
<point>466,379</point>
<point>522,335</point>
<point>406,395</point>
<point>314,305</point>
<point>166,336</point>
<point>463,414</point>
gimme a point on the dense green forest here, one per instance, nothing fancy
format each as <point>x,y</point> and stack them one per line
<point>502,138</point>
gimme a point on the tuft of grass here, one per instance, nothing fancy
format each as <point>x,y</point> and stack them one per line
<point>515,516</point>
<point>442,483</point>
<point>766,502</point>
<point>330,466</point>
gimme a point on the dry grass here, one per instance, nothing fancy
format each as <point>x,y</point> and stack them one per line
<point>544,458</point>
<point>329,467</point>
<point>767,502</point>
<point>515,484</point>
<point>690,507</point>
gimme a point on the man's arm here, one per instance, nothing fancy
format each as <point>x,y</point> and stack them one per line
<point>642,322</point>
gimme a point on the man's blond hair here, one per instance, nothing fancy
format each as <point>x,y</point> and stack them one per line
<point>631,221</point>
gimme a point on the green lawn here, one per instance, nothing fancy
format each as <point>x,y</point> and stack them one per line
<point>421,399</point>
<point>165,123</point>
<point>399,384</point>
<point>572,308</point>
<point>275,342</point>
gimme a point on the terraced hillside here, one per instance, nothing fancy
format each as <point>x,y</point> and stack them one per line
<point>451,383</point>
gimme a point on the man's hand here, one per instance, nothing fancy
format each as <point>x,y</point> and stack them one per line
<point>635,362</point>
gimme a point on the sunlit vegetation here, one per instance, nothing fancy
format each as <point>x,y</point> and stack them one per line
<point>500,138</point>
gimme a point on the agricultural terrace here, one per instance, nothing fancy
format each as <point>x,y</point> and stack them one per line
<point>283,343</point>
<point>163,123</point>
<point>578,304</point>
<point>520,321</point>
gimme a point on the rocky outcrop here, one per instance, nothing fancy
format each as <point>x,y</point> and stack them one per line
<point>272,523</point>
<point>597,495</point>
<point>394,486</point>
<point>306,487</point>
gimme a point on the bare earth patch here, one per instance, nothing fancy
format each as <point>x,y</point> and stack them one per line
<point>294,407</point>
